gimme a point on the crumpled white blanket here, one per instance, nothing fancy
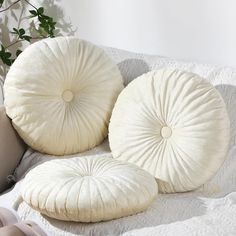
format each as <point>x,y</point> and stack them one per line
<point>210,210</point>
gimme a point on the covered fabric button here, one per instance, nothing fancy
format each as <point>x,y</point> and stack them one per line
<point>67,95</point>
<point>166,132</point>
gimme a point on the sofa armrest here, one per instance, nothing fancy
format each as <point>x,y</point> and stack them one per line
<point>1,92</point>
<point>12,149</point>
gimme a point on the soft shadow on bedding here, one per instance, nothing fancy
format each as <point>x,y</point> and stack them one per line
<point>132,68</point>
<point>167,208</point>
<point>228,92</point>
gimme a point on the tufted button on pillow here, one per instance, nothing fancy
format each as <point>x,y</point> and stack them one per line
<point>173,124</point>
<point>88,189</point>
<point>166,132</point>
<point>67,96</point>
<point>59,94</point>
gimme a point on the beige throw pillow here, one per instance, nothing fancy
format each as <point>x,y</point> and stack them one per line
<point>60,101</point>
<point>88,189</point>
<point>173,124</point>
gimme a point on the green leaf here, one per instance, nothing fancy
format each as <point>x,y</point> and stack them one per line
<point>21,31</point>
<point>8,62</point>
<point>27,38</point>
<point>40,10</point>
<point>15,30</point>
<point>50,19</point>
<point>46,17</point>
<point>7,54</point>
<point>1,2</point>
<point>18,52</point>
<point>33,12</point>
<point>41,25</point>
<point>40,18</point>
<point>5,59</point>
<point>2,49</point>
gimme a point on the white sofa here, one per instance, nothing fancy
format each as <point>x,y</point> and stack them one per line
<point>210,210</point>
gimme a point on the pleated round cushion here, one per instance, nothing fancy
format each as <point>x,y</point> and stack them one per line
<point>174,125</point>
<point>59,94</point>
<point>88,189</point>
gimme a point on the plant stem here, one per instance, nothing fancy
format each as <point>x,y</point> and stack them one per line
<point>20,40</point>
<point>31,4</point>
<point>10,6</point>
<point>17,41</point>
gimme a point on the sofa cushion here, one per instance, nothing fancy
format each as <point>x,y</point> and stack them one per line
<point>1,92</point>
<point>88,189</point>
<point>59,94</point>
<point>173,124</point>
<point>12,149</point>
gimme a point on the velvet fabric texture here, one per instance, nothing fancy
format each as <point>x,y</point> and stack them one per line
<point>173,124</point>
<point>60,101</point>
<point>88,189</point>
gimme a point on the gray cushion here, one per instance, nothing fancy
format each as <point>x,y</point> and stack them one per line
<point>1,92</point>
<point>12,149</point>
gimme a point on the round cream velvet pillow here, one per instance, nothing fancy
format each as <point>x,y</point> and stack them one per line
<point>59,94</point>
<point>173,124</point>
<point>88,189</point>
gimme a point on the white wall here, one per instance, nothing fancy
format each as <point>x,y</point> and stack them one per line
<point>199,30</point>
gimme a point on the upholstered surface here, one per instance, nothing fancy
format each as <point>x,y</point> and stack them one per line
<point>172,124</point>
<point>60,101</point>
<point>12,149</point>
<point>1,92</point>
<point>88,189</point>
<point>209,210</point>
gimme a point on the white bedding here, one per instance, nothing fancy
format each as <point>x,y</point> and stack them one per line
<point>210,210</point>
